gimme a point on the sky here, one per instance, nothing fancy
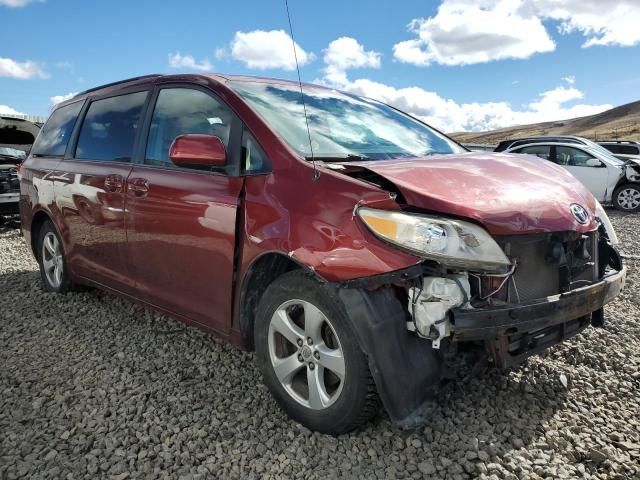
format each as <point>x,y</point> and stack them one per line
<point>460,65</point>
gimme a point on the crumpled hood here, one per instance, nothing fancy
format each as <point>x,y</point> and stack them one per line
<point>507,193</point>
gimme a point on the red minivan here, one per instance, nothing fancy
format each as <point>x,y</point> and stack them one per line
<point>353,247</point>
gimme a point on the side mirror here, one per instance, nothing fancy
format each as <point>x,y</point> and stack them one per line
<point>594,162</point>
<point>198,151</point>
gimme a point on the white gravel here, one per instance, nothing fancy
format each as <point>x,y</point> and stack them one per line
<point>94,386</point>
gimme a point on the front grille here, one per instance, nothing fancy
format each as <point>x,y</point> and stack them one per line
<point>9,182</point>
<point>548,264</point>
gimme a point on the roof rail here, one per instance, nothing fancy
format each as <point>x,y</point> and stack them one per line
<point>141,77</point>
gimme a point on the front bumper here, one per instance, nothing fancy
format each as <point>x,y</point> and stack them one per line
<point>510,320</point>
<point>9,203</point>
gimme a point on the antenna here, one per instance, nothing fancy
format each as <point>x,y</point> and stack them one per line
<point>316,173</point>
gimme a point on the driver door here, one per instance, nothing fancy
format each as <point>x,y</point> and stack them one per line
<point>181,223</point>
<point>586,168</point>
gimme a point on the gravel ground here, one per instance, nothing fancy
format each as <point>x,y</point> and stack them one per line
<point>92,386</point>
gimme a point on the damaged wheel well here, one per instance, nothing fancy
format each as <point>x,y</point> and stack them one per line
<point>260,274</point>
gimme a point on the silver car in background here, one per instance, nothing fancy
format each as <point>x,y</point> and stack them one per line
<point>610,180</point>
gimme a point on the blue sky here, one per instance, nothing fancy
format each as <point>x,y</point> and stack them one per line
<point>459,64</point>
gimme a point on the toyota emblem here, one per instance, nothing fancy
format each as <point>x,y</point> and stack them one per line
<point>579,213</point>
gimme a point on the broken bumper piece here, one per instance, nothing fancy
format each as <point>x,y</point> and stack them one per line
<point>510,320</point>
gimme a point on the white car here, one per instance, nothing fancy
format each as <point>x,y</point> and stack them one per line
<point>610,179</point>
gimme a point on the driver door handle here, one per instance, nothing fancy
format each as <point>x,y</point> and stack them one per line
<point>138,187</point>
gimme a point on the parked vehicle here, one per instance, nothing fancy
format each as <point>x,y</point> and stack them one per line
<point>518,142</point>
<point>16,137</point>
<point>609,179</point>
<point>354,256</point>
<point>624,150</point>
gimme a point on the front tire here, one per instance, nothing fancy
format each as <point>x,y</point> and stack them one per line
<point>310,358</point>
<point>627,198</point>
<point>52,261</point>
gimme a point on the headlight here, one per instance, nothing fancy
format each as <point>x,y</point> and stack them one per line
<point>606,223</point>
<point>452,242</point>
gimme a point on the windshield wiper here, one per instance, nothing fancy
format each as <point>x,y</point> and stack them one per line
<point>346,158</point>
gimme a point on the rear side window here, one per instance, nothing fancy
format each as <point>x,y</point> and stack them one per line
<point>54,136</point>
<point>623,149</point>
<point>109,128</point>
<point>542,151</point>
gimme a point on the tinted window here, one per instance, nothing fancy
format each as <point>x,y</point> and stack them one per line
<point>180,111</point>
<point>623,149</point>
<point>254,159</point>
<point>54,136</point>
<point>573,157</point>
<point>613,148</point>
<point>542,151</point>
<point>109,128</point>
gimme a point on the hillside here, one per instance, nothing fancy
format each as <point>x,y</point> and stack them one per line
<point>621,123</point>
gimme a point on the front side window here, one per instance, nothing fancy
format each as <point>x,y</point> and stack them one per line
<point>341,124</point>
<point>54,136</point>
<point>542,151</point>
<point>181,111</point>
<point>573,157</point>
<point>109,128</point>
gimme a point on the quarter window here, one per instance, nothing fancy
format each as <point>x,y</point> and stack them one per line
<point>181,111</point>
<point>53,139</point>
<point>253,158</point>
<point>109,128</point>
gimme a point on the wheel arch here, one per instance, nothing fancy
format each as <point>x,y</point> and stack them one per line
<point>261,273</point>
<point>39,218</point>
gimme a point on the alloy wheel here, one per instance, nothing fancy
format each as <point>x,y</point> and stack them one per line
<point>52,261</point>
<point>306,354</point>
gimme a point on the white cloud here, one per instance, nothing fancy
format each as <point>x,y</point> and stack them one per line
<point>476,31</point>
<point>62,98</point>
<point>610,22</point>
<point>177,60</point>
<point>16,3</point>
<point>345,53</point>
<point>446,114</point>
<point>7,110</point>
<point>21,70</point>
<point>450,116</point>
<point>266,49</point>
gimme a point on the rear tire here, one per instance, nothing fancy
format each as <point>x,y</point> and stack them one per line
<point>52,260</point>
<point>303,337</point>
<point>627,198</point>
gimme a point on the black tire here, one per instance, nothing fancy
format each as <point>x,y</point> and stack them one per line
<point>65,284</point>
<point>357,401</point>
<point>621,198</point>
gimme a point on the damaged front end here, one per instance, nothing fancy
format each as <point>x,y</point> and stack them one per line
<point>548,287</point>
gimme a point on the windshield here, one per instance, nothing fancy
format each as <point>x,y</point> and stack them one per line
<point>12,153</point>
<point>341,125</point>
